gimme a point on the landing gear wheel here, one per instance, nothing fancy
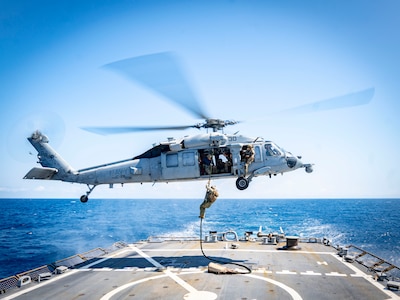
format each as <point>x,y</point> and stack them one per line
<point>242,183</point>
<point>85,198</point>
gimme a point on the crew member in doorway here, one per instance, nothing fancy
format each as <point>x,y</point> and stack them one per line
<point>247,154</point>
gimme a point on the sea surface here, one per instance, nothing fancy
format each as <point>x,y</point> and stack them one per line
<point>35,232</point>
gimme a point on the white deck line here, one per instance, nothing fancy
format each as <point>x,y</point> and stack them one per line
<point>286,272</point>
<point>125,286</point>
<point>68,273</point>
<point>191,289</point>
<point>173,276</point>
<point>288,289</point>
<point>359,273</point>
<point>43,283</point>
<point>235,250</point>
<point>311,273</point>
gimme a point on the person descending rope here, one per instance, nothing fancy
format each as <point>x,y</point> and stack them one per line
<point>210,197</point>
<point>216,266</point>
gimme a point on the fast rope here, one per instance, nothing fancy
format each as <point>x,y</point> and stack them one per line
<point>211,196</point>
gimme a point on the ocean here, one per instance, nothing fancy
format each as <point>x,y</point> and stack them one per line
<point>35,232</point>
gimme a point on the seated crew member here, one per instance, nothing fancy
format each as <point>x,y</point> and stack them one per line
<point>224,162</point>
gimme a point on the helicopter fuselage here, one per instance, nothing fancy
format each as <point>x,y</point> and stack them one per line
<point>199,157</point>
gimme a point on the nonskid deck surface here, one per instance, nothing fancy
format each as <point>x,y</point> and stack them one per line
<point>178,270</point>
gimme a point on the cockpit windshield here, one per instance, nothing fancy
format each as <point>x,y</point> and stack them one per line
<point>272,150</point>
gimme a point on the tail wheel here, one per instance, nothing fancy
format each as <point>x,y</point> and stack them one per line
<point>242,183</point>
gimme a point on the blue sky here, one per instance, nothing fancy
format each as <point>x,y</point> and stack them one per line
<point>244,59</point>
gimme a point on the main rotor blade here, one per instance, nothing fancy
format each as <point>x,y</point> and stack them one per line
<point>162,73</point>
<point>128,129</point>
<point>348,100</point>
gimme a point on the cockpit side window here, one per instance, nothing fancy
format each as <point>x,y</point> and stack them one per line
<point>272,150</point>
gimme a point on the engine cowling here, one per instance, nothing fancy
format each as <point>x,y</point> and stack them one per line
<point>214,139</point>
<point>175,146</point>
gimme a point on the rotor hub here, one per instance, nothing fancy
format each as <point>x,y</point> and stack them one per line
<point>215,124</point>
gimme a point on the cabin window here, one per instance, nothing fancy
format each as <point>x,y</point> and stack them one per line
<point>172,160</point>
<point>188,158</point>
<point>257,153</point>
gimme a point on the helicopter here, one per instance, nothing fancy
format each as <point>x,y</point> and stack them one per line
<point>213,154</point>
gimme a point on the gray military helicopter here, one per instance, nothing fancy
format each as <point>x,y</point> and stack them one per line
<point>210,155</point>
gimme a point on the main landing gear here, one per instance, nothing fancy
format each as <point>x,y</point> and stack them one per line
<point>242,183</point>
<point>85,198</point>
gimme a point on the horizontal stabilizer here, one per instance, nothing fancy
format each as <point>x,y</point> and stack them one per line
<point>41,173</point>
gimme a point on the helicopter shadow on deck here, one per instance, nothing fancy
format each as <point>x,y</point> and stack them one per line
<point>166,261</point>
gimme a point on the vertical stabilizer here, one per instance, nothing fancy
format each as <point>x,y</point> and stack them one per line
<point>55,167</point>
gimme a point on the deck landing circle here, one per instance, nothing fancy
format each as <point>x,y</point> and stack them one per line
<point>200,295</point>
